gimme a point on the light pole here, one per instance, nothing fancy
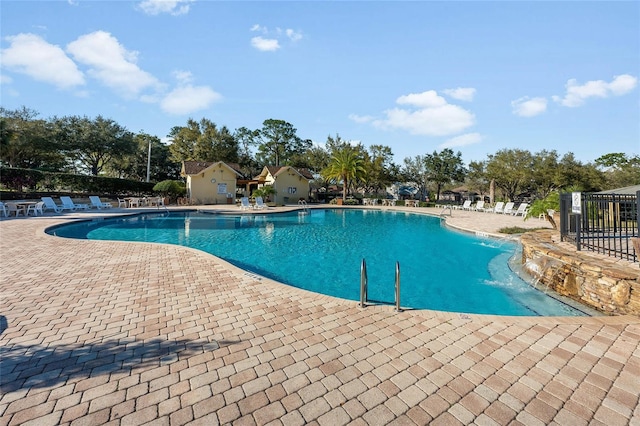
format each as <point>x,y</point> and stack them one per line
<point>149,162</point>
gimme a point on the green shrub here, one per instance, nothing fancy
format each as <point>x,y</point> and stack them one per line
<point>171,188</point>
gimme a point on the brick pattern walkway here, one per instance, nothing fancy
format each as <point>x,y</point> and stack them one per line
<point>128,333</point>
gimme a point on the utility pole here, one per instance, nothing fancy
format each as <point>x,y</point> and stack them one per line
<point>149,162</point>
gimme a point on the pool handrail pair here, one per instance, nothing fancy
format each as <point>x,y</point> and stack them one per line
<point>364,281</point>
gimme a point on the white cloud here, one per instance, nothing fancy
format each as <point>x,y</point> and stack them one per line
<point>461,93</point>
<point>622,84</point>
<point>293,35</point>
<point>187,98</point>
<point>183,77</point>
<point>265,44</point>
<point>30,54</point>
<point>529,107</point>
<point>5,79</point>
<point>361,118</point>
<point>428,99</point>
<point>272,38</point>
<point>173,7</point>
<point>462,140</point>
<point>433,116</point>
<point>112,64</point>
<point>576,95</point>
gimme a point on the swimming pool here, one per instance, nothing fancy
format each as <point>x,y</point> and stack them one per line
<point>322,251</point>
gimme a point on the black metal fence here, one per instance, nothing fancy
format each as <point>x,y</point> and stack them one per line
<point>604,223</point>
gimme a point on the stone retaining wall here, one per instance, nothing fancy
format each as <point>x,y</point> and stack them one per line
<point>609,285</point>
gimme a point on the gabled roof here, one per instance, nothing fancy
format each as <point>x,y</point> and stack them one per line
<point>195,167</point>
<point>276,170</point>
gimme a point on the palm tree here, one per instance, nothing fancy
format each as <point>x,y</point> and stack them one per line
<point>346,164</point>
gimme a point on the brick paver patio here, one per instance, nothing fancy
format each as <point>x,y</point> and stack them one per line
<point>95,332</point>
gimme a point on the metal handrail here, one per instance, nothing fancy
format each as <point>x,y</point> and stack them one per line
<point>304,205</point>
<point>398,309</point>
<point>363,284</point>
<point>364,281</point>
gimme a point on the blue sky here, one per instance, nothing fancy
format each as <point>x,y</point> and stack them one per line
<point>476,77</point>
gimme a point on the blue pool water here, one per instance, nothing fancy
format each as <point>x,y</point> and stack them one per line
<point>322,251</point>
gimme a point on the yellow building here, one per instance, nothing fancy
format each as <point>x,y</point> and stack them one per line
<point>211,182</point>
<point>291,184</point>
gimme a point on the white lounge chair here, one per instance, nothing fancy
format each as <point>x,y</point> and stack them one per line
<point>98,203</point>
<point>260,204</point>
<point>465,206</point>
<point>49,204</point>
<point>479,206</point>
<point>3,209</point>
<point>244,203</point>
<point>508,208</point>
<point>67,203</point>
<point>498,208</point>
<point>522,210</point>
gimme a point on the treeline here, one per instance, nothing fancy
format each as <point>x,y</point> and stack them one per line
<point>101,147</point>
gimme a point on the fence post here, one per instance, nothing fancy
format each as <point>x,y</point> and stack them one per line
<point>578,226</point>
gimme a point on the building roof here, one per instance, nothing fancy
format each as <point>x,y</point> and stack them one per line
<point>627,190</point>
<point>276,170</point>
<point>195,167</point>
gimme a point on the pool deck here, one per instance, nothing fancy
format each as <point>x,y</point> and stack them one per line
<point>97,332</point>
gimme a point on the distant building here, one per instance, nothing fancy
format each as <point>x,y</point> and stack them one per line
<point>211,182</point>
<point>290,184</point>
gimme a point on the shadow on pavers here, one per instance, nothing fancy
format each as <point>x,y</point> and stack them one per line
<point>34,366</point>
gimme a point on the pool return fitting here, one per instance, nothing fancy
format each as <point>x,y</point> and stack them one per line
<point>364,281</point>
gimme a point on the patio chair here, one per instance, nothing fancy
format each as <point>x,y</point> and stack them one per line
<point>244,203</point>
<point>16,209</point>
<point>260,204</point>
<point>49,204</point>
<point>67,203</point>
<point>156,201</point>
<point>98,203</point>
<point>508,208</point>
<point>522,210</point>
<point>37,208</point>
<point>3,209</point>
<point>122,203</point>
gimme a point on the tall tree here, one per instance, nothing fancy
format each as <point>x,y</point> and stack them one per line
<point>134,166</point>
<point>93,144</point>
<point>346,164</point>
<point>279,143</point>
<point>381,171</point>
<point>545,173</point>
<point>477,179</point>
<point>620,169</point>
<point>203,141</point>
<point>511,170</point>
<point>26,141</point>
<point>444,167</point>
<point>414,170</point>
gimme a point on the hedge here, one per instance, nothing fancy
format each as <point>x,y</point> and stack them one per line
<point>30,180</point>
